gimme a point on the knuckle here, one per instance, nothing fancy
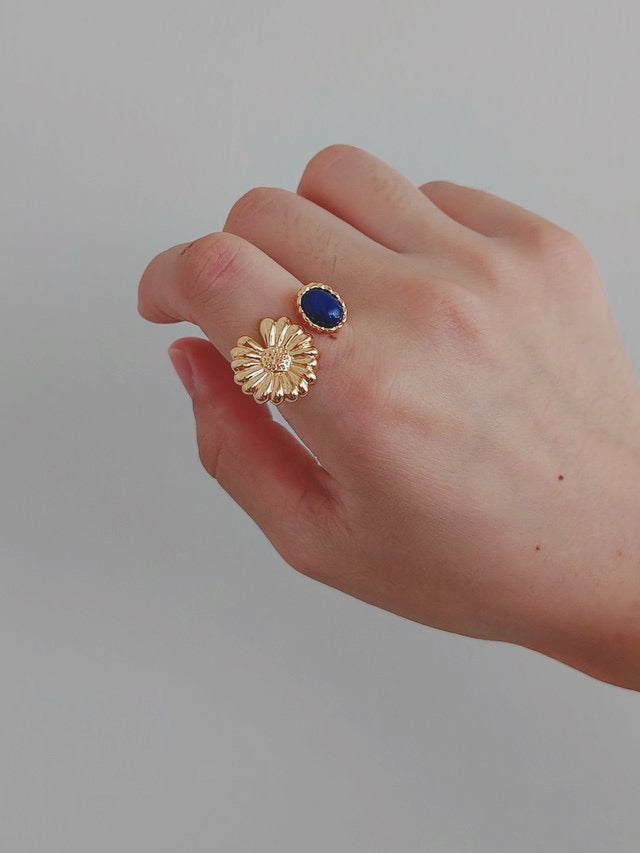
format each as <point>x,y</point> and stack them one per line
<point>565,262</point>
<point>552,241</point>
<point>312,554</point>
<point>208,267</point>
<point>488,263</point>
<point>251,205</point>
<point>456,315</point>
<point>209,449</point>
<point>215,448</point>
<point>328,157</point>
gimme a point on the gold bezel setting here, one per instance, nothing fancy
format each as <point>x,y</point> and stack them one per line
<point>318,285</point>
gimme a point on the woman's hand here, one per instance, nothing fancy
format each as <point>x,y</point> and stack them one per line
<point>476,422</point>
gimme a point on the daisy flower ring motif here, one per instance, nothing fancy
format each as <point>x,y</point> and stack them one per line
<point>280,369</point>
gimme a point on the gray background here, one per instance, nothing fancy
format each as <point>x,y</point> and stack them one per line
<point>168,683</point>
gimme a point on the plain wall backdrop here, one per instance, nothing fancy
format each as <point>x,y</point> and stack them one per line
<point>167,682</point>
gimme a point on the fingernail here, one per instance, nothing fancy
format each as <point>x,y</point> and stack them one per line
<point>182,367</point>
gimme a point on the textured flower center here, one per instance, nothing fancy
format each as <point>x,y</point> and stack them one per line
<point>276,359</point>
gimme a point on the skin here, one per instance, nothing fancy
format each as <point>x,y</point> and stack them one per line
<point>471,456</point>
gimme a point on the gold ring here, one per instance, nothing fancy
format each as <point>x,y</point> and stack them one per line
<point>282,367</point>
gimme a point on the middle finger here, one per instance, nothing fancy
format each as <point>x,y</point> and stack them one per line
<point>309,241</point>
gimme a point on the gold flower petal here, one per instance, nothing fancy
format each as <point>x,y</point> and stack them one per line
<point>280,329</point>
<point>285,379</point>
<point>266,330</point>
<point>305,358</point>
<point>241,361</point>
<point>246,341</point>
<point>290,385</point>
<point>307,374</point>
<point>252,384</point>
<point>300,370</point>
<point>302,348</point>
<point>247,373</point>
<point>277,390</point>
<point>245,352</point>
<point>289,334</point>
<point>262,390</point>
<point>298,338</point>
<point>303,387</point>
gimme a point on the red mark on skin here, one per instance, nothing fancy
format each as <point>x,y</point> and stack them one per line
<point>187,247</point>
<point>620,554</point>
<point>561,476</point>
<point>537,547</point>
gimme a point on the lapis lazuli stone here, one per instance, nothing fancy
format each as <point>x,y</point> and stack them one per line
<point>322,307</point>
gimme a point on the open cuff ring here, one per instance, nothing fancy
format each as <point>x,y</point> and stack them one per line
<point>283,366</point>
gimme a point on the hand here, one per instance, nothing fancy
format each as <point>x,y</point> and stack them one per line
<point>476,422</point>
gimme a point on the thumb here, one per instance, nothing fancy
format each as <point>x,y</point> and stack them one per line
<point>256,460</point>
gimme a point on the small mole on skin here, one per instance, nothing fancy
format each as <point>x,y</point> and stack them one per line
<point>537,547</point>
<point>620,554</point>
<point>561,476</point>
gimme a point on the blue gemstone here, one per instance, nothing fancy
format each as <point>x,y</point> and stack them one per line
<point>322,308</point>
